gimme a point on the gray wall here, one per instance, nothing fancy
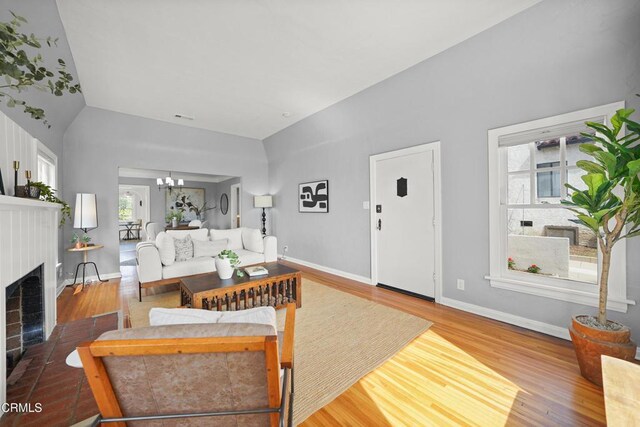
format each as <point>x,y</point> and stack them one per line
<point>100,141</point>
<point>158,197</point>
<point>44,20</point>
<point>555,57</point>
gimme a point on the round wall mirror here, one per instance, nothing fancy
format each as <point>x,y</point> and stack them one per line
<point>224,204</point>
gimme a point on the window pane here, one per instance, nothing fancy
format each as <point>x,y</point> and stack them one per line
<point>519,189</point>
<point>125,212</point>
<point>547,152</point>
<point>551,240</point>
<point>518,158</point>
<point>573,149</point>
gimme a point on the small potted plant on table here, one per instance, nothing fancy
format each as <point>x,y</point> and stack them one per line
<point>610,207</point>
<point>226,262</point>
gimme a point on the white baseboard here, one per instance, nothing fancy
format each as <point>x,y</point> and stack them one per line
<point>94,277</point>
<point>512,319</point>
<point>356,277</point>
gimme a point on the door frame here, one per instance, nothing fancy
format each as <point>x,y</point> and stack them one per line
<point>437,191</point>
<point>235,192</point>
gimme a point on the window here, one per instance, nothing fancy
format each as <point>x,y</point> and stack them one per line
<point>537,245</point>
<point>125,207</point>
<point>47,166</point>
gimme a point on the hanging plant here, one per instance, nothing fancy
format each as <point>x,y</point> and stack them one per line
<point>21,72</point>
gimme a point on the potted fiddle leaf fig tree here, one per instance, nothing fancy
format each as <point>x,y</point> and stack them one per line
<point>610,207</point>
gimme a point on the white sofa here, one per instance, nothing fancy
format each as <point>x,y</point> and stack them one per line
<point>156,268</point>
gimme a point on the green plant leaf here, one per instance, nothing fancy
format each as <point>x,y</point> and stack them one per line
<point>593,181</point>
<point>589,222</point>
<point>608,160</point>
<point>634,167</point>
<point>590,166</point>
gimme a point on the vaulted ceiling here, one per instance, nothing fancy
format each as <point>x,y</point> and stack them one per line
<point>252,68</point>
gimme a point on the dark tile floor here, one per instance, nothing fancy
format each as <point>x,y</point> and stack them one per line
<point>62,391</point>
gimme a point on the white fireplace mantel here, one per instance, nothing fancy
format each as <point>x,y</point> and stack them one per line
<point>28,238</point>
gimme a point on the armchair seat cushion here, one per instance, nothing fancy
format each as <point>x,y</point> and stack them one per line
<point>187,268</point>
<point>181,316</point>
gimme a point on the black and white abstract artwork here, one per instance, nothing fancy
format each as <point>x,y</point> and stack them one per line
<point>313,196</point>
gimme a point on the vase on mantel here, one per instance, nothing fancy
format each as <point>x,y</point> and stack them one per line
<point>174,222</point>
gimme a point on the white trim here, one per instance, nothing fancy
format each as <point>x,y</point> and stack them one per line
<point>512,319</point>
<point>437,190</point>
<point>544,286</point>
<point>107,276</point>
<point>356,277</point>
<point>559,293</point>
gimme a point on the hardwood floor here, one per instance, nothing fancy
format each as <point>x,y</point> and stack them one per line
<point>465,370</point>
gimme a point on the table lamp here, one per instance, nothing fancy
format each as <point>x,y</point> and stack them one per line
<point>86,216</point>
<point>263,202</point>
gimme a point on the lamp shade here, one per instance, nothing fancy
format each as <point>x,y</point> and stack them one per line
<point>262,201</point>
<point>86,216</point>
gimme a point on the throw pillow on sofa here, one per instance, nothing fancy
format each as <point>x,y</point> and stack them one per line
<point>184,248</point>
<point>234,235</point>
<point>252,240</point>
<point>209,248</point>
<point>166,248</point>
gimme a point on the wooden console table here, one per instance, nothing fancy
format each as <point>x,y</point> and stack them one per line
<point>207,291</point>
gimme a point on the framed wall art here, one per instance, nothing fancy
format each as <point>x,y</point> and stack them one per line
<point>313,197</point>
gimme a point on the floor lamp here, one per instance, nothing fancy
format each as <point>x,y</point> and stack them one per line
<point>263,202</point>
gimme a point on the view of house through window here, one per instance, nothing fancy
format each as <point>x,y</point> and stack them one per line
<point>46,170</point>
<point>543,237</point>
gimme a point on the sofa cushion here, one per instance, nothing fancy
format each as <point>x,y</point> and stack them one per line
<point>189,267</point>
<point>252,240</point>
<point>199,234</point>
<point>182,316</point>
<point>209,248</point>
<point>249,257</point>
<point>184,248</point>
<point>166,248</point>
<point>234,235</point>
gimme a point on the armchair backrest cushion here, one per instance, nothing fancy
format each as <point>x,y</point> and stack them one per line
<point>183,383</point>
<point>197,234</point>
<point>252,240</point>
<point>234,235</point>
<point>166,248</point>
<point>209,248</point>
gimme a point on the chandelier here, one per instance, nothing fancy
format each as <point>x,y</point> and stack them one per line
<point>169,183</point>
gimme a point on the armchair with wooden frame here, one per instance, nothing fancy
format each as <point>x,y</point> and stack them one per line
<point>201,374</point>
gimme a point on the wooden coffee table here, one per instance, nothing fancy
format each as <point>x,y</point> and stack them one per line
<point>281,286</point>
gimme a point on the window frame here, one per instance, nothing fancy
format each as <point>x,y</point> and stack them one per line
<point>551,287</point>
<point>44,152</point>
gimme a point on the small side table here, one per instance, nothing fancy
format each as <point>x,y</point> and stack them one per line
<point>85,252</point>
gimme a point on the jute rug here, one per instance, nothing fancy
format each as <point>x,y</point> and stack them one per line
<point>339,338</point>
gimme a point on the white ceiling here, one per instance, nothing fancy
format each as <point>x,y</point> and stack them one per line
<point>156,173</point>
<point>237,66</point>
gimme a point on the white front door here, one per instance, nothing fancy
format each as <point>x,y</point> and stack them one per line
<point>404,221</point>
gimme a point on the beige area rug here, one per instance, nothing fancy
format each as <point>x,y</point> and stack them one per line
<point>339,338</point>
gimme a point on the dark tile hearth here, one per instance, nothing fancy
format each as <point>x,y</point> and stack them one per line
<point>63,391</point>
